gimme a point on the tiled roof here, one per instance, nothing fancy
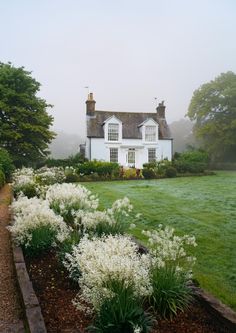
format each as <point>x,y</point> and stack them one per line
<point>130,122</point>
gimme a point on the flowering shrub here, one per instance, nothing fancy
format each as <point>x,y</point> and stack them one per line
<point>49,176</point>
<point>111,221</point>
<point>67,199</point>
<point>24,182</point>
<point>36,227</point>
<point>170,271</point>
<point>100,260</point>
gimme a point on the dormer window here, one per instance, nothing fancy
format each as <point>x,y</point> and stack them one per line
<point>150,133</point>
<point>113,132</point>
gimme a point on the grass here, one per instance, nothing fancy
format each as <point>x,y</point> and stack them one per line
<point>200,206</point>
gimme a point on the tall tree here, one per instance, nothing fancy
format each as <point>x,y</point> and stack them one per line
<point>24,121</point>
<point>213,108</point>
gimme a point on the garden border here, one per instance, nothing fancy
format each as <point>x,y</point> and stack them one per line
<point>31,304</point>
<point>35,320</point>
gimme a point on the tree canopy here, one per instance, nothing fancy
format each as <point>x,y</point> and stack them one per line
<point>24,121</point>
<point>213,108</point>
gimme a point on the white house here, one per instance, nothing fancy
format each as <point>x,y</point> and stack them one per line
<point>129,138</point>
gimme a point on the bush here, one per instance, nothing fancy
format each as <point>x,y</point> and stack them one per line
<point>2,179</point>
<point>130,173</point>
<point>194,161</point>
<point>122,313</point>
<point>6,163</point>
<point>99,167</point>
<point>148,173</point>
<point>183,166</point>
<point>170,172</point>
<point>171,292</point>
<point>41,241</point>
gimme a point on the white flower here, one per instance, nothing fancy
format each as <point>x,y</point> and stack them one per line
<point>102,259</point>
<point>29,214</point>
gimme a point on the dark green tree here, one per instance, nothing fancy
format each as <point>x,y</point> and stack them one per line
<point>213,108</point>
<point>24,121</point>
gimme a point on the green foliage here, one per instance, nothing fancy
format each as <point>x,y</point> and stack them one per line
<point>171,292</point>
<point>24,122</point>
<point>194,161</point>
<point>72,160</point>
<point>148,173</point>
<point>28,189</point>
<point>121,313</point>
<point>213,109</point>
<point>66,247</point>
<point>2,178</point>
<point>130,173</point>
<point>6,163</point>
<point>170,172</point>
<point>101,168</point>
<point>41,241</point>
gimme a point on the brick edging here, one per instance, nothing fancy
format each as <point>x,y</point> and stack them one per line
<point>31,304</point>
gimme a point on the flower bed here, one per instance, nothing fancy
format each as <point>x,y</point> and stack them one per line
<point>118,287</point>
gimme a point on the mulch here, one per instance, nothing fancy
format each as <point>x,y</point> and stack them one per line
<point>56,292</point>
<point>11,313</point>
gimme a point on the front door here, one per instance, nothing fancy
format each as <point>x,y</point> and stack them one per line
<point>131,158</point>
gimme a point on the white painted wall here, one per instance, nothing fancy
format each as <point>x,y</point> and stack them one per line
<point>100,150</point>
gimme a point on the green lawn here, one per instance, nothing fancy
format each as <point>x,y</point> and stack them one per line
<point>200,206</point>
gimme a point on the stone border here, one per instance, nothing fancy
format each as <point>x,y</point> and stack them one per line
<point>32,308</point>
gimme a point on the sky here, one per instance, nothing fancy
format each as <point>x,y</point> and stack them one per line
<point>128,52</point>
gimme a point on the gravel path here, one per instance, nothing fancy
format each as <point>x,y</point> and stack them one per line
<point>10,309</point>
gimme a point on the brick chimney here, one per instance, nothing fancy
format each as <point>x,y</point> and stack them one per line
<point>90,105</point>
<point>161,110</point>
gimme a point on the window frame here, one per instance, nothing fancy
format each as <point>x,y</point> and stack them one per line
<point>112,150</point>
<point>152,159</point>
<point>150,136</point>
<point>113,134</point>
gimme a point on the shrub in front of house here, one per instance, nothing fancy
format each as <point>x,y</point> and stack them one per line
<point>149,173</point>
<point>2,178</point>
<point>170,172</point>
<point>6,163</point>
<point>105,169</point>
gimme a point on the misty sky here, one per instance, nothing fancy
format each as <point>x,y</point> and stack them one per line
<point>126,51</point>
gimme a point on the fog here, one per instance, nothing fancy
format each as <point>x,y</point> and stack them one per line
<point>128,52</point>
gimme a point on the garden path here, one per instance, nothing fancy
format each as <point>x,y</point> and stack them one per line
<point>10,308</point>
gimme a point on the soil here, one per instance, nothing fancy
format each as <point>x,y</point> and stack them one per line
<point>56,292</point>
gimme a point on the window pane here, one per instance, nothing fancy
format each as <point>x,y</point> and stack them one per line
<point>114,155</point>
<point>150,133</point>
<point>113,132</point>
<point>151,154</point>
<point>131,156</point>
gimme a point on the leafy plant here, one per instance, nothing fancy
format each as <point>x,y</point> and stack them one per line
<point>170,172</point>
<point>67,245</point>
<point>6,163</point>
<point>121,313</point>
<point>41,240</point>
<point>171,292</point>
<point>148,173</point>
<point>2,178</point>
